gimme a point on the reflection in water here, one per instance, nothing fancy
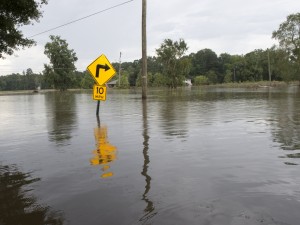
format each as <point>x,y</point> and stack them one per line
<point>295,156</point>
<point>174,115</point>
<point>61,116</point>
<point>17,206</point>
<point>286,130</point>
<point>150,206</point>
<point>105,153</point>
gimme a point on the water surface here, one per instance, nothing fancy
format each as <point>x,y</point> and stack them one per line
<point>186,156</point>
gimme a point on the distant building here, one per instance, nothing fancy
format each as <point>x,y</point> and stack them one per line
<point>188,82</point>
<point>37,89</point>
<point>112,84</point>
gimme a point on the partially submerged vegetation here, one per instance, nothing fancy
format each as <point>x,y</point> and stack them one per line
<point>260,84</point>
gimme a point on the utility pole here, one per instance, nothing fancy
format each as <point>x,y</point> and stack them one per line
<point>269,68</point>
<point>234,68</point>
<point>120,62</point>
<point>144,50</point>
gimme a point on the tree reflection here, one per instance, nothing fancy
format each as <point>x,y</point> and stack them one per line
<point>286,128</point>
<point>150,206</point>
<point>61,116</point>
<point>17,205</point>
<point>174,115</point>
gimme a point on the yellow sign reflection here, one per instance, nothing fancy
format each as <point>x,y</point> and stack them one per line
<point>105,153</point>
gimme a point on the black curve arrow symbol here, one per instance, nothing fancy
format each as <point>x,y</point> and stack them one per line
<point>100,66</point>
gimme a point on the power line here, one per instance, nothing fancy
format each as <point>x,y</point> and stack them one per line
<point>74,21</point>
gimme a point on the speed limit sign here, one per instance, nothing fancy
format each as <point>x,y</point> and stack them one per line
<point>99,92</point>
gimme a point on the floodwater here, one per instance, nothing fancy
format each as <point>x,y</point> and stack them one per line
<point>186,156</point>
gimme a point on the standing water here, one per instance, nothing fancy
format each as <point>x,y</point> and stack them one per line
<point>187,156</point>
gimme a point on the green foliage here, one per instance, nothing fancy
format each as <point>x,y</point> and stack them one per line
<point>61,70</point>
<point>203,61</point>
<point>212,77</point>
<point>13,15</point>
<point>87,81</point>
<point>153,65</point>
<point>225,61</point>
<point>13,82</point>
<point>124,83</point>
<point>282,66</point>
<point>201,80</point>
<point>154,80</point>
<point>27,81</point>
<point>138,82</point>
<point>288,35</point>
<point>159,80</point>
<point>133,69</point>
<point>254,66</point>
<point>228,76</point>
<point>31,81</point>
<point>170,55</point>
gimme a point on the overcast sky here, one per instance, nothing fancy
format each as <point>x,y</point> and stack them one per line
<point>225,26</point>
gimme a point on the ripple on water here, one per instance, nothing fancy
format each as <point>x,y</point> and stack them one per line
<point>234,210</point>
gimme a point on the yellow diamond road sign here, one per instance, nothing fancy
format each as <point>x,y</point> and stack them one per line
<point>101,70</point>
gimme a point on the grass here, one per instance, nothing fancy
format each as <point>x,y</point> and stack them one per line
<point>260,84</point>
<point>250,85</point>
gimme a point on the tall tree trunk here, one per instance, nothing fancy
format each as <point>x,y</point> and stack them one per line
<point>144,50</point>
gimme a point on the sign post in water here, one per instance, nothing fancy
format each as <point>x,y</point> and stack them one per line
<point>102,71</point>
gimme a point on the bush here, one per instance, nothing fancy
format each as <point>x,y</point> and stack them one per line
<point>201,80</point>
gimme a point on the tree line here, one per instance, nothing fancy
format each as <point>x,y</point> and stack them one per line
<point>203,68</point>
<point>171,66</point>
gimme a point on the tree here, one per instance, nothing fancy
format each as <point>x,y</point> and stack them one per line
<point>201,80</point>
<point>30,80</point>
<point>224,62</point>
<point>237,67</point>
<point>228,76</point>
<point>212,77</point>
<point>87,81</point>
<point>13,15</point>
<point>204,61</point>
<point>254,65</point>
<point>281,66</point>
<point>124,83</point>
<point>171,56</point>
<point>60,72</point>
<point>154,80</point>
<point>288,35</point>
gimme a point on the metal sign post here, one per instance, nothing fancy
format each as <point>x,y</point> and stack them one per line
<point>102,71</point>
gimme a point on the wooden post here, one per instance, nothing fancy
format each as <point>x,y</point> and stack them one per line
<point>144,50</point>
<point>120,69</point>
<point>269,68</point>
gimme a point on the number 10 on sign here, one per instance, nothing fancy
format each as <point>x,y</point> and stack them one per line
<point>99,92</point>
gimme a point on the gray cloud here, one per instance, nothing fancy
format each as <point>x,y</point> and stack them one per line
<point>232,26</point>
